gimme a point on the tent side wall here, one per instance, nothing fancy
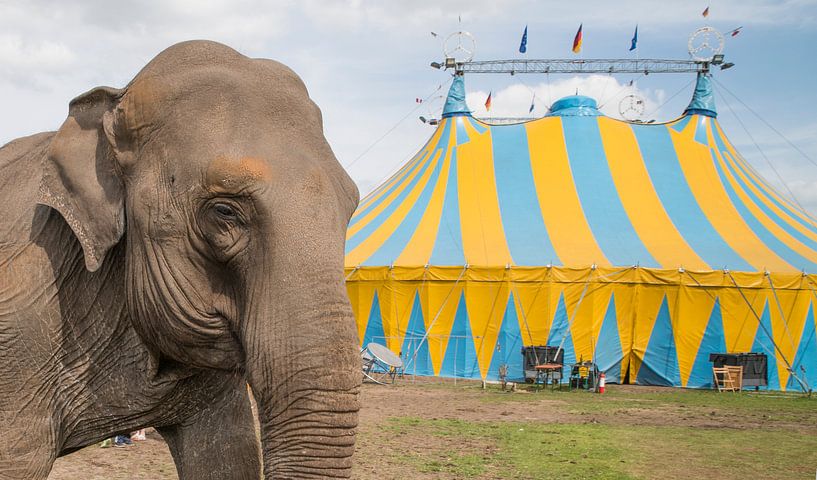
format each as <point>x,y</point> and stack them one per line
<point>640,325</point>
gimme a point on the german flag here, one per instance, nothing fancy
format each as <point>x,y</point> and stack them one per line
<point>577,41</point>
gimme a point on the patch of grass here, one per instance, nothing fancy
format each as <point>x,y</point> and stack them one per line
<point>774,406</point>
<point>578,451</point>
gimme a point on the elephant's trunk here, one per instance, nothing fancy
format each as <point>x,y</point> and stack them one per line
<point>303,365</point>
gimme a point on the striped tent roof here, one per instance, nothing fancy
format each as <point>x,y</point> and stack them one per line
<point>577,188</point>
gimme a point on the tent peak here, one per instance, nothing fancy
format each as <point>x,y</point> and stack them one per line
<point>703,99</point>
<point>575,106</point>
<point>455,101</point>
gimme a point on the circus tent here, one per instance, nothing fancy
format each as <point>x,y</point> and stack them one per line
<point>642,247</point>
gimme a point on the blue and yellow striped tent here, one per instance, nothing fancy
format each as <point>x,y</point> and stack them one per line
<point>644,247</point>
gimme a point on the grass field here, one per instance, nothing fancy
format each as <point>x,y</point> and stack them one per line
<point>441,430</point>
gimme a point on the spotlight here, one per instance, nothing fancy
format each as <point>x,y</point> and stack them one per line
<point>717,59</point>
<point>436,65</point>
<point>727,65</point>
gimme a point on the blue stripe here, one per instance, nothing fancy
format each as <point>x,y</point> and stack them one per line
<point>524,227</point>
<point>781,249</point>
<point>769,212</point>
<point>599,198</point>
<point>448,245</point>
<point>362,213</point>
<point>462,134</point>
<point>762,188</point>
<point>391,249</point>
<point>681,124</point>
<point>700,130</point>
<point>679,202</point>
<point>376,222</point>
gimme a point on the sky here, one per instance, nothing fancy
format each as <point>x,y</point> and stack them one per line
<point>365,62</point>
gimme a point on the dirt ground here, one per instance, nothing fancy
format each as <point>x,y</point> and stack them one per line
<point>381,449</point>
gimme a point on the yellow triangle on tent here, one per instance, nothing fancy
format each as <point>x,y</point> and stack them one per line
<point>625,317</point>
<point>361,295</point>
<point>587,320</point>
<point>384,295</point>
<point>402,297</point>
<point>486,302</point>
<point>439,301</point>
<point>692,315</point>
<point>649,300</point>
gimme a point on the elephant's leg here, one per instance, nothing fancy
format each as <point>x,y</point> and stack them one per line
<point>27,447</point>
<point>218,442</point>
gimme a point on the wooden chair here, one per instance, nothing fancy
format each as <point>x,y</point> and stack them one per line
<point>728,379</point>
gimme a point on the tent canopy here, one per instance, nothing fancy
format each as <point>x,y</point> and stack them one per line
<point>643,247</point>
<point>577,188</point>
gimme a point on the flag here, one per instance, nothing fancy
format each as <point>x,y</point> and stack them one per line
<point>634,41</point>
<point>488,102</point>
<point>631,83</point>
<point>735,32</point>
<point>523,46</point>
<point>530,110</point>
<point>706,12</point>
<point>433,34</point>
<point>577,41</point>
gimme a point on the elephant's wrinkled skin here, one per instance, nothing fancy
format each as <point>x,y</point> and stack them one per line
<point>173,241</point>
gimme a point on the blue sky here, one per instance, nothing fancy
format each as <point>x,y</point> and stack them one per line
<point>365,62</point>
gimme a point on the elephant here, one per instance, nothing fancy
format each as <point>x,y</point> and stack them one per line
<point>174,242</point>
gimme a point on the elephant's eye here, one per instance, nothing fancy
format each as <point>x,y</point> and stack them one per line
<point>225,210</point>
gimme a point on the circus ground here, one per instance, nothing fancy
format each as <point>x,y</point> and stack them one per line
<point>442,430</point>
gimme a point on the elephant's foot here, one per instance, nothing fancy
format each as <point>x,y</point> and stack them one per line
<point>218,442</point>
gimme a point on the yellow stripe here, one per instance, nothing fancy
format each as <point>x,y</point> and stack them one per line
<point>644,208</point>
<point>562,212</point>
<point>373,213</point>
<point>761,217</point>
<point>376,239</point>
<point>419,249</point>
<point>703,180</point>
<point>483,236</point>
<point>400,174</point>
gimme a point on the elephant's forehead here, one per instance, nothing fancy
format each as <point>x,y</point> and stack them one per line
<point>231,173</point>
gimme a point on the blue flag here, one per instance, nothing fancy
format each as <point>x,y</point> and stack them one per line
<point>635,39</point>
<point>523,46</point>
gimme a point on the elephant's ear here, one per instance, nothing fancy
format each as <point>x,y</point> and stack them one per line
<point>81,178</point>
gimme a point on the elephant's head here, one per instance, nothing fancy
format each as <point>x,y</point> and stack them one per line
<point>213,169</point>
